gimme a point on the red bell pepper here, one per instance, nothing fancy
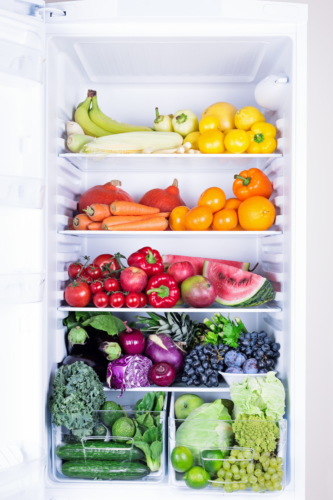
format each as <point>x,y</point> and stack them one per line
<point>163,291</point>
<point>148,260</point>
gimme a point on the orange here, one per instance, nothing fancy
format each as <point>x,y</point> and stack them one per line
<point>177,218</point>
<point>209,123</point>
<point>225,220</point>
<point>214,198</point>
<point>211,142</point>
<point>256,214</point>
<point>237,228</point>
<point>233,203</point>
<point>199,219</point>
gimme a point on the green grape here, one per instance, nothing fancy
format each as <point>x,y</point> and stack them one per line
<point>228,488</point>
<point>258,466</point>
<point>279,460</point>
<point>262,487</point>
<point>256,455</point>
<point>237,477</point>
<point>248,485</point>
<point>257,472</point>
<point>247,454</point>
<point>242,486</point>
<point>266,465</point>
<point>273,462</point>
<point>244,464</point>
<point>250,468</point>
<point>228,480</point>
<point>262,460</point>
<point>232,460</point>
<point>261,480</point>
<point>268,483</point>
<point>278,487</point>
<point>274,477</point>
<point>280,474</point>
<point>242,472</point>
<point>234,453</point>
<point>221,473</point>
<point>253,479</point>
<point>266,454</point>
<point>215,484</point>
<point>235,486</point>
<point>226,465</point>
<point>234,469</point>
<point>228,475</point>
<point>276,484</point>
<point>245,478</point>
<point>240,456</point>
<point>255,488</point>
<point>267,476</point>
<point>279,468</point>
<point>271,470</point>
<point>271,487</point>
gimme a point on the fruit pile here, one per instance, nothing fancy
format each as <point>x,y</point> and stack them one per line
<point>203,364</point>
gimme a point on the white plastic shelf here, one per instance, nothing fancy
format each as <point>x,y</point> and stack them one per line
<point>171,234</point>
<point>167,162</point>
<point>269,307</point>
<point>176,387</point>
<point>21,288</point>
<point>21,192</point>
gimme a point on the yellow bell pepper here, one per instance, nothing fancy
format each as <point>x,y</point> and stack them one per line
<point>262,138</point>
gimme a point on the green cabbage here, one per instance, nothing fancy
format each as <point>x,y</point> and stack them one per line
<point>208,426</point>
<point>259,396</point>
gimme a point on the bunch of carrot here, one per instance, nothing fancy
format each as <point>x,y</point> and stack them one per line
<point>121,216</point>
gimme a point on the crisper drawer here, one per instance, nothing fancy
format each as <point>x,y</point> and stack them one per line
<point>223,466</point>
<point>113,459</point>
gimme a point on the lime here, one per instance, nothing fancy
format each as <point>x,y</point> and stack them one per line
<point>111,411</point>
<point>181,459</point>
<point>212,466</point>
<point>197,478</point>
<point>123,427</point>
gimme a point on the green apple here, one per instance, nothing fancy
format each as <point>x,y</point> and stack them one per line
<point>185,404</point>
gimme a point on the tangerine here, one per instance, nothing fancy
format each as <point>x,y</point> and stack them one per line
<point>237,228</point>
<point>211,142</point>
<point>209,122</point>
<point>199,219</point>
<point>256,214</point>
<point>233,203</point>
<point>177,218</point>
<point>225,220</point>
<point>213,197</point>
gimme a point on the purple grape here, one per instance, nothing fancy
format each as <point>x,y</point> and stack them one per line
<point>250,366</point>
<point>262,370</point>
<point>234,369</point>
<point>230,358</point>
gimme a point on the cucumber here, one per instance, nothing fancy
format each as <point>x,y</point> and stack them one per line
<point>98,469</point>
<point>99,430</point>
<point>99,450</point>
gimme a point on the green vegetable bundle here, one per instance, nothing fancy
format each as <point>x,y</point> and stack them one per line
<point>223,330</point>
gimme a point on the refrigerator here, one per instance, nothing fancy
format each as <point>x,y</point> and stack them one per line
<point>138,55</point>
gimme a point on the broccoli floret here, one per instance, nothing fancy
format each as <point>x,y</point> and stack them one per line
<point>259,433</point>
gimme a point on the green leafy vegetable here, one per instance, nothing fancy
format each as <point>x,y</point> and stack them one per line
<point>107,323</point>
<point>223,330</point>
<point>259,396</point>
<point>146,403</point>
<point>77,395</point>
<point>145,420</point>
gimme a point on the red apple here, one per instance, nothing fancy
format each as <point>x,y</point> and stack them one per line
<point>181,271</point>
<point>133,279</point>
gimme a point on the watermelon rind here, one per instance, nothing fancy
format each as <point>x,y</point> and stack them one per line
<point>259,293</point>
<point>199,261</point>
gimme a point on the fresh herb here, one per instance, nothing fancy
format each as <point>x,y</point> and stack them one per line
<point>224,330</point>
<point>101,321</point>
<point>77,395</point>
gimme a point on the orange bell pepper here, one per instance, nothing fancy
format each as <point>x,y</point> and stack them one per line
<point>252,182</point>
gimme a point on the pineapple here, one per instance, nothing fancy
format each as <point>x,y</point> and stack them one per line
<point>183,331</point>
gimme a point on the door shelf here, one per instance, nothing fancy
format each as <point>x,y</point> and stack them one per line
<point>171,234</point>
<point>271,307</point>
<point>167,162</point>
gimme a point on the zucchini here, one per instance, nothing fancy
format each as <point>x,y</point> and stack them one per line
<point>98,469</point>
<point>99,450</point>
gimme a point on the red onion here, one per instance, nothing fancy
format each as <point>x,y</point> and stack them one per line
<point>131,341</point>
<point>161,348</point>
<point>162,374</point>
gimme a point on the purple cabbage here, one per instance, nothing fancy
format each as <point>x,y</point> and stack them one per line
<point>160,348</point>
<point>128,371</point>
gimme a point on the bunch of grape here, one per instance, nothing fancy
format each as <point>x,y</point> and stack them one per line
<point>203,364</point>
<point>239,472</point>
<point>260,347</point>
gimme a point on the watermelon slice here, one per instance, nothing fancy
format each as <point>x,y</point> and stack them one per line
<point>198,262</point>
<point>236,287</point>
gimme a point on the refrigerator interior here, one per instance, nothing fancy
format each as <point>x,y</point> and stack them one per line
<point>132,75</point>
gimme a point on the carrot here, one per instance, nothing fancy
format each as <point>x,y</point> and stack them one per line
<point>95,226</point>
<point>153,224</point>
<point>98,211</point>
<point>124,219</point>
<point>81,222</point>
<point>131,208</point>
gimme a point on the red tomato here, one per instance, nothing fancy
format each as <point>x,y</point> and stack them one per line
<point>117,299</point>
<point>77,294</point>
<point>101,299</point>
<point>84,277</point>
<point>96,287</point>
<point>107,263</point>
<point>111,285</point>
<point>93,271</point>
<point>74,269</point>
<point>132,300</point>
<point>143,299</point>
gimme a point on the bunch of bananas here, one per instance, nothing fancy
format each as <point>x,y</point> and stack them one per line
<point>96,124</point>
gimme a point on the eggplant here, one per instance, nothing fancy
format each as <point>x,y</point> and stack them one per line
<point>89,356</point>
<point>106,344</point>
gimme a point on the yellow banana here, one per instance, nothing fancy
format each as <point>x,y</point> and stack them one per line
<point>82,118</point>
<point>103,121</point>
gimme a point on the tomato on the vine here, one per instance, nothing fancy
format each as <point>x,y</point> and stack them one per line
<point>96,287</point>
<point>93,271</point>
<point>107,263</point>
<point>101,299</point>
<point>83,276</point>
<point>111,285</point>
<point>143,299</point>
<point>74,269</point>
<point>132,300</point>
<point>117,299</point>
<point>77,294</point>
